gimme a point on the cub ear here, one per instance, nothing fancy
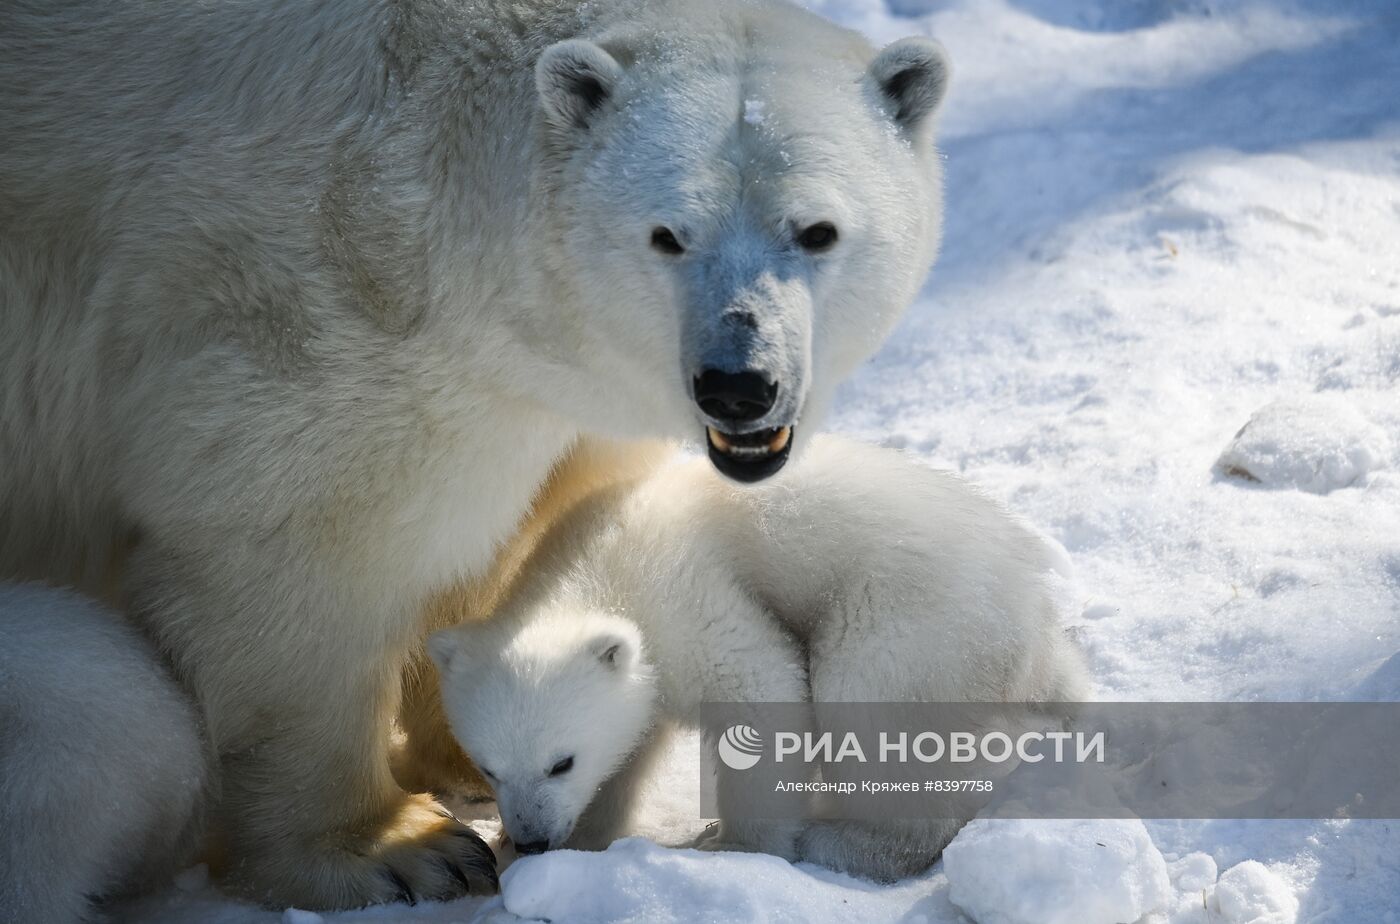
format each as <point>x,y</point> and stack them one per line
<point>616,649</point>
<point>448,647</point>
<point>912,76</point>
<point>574,79</point>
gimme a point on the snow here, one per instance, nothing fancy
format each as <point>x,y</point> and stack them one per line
<point>637,881</point>
<point>297,916</point>
<point>1168,220</point>
<point>1005,871</point>
<point>1194,872</point>
<point>1314,443</point>
<point>1250,894</point>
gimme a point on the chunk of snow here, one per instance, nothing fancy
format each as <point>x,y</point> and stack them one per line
<point>1250,894</point>
<point>753,111</point>
<point>1193,872</point>
<point>1316,443</point>
<point>635,880</point>
<point>297,916</point>
<point>1011,871</point>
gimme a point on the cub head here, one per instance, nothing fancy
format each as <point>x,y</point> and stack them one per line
<point>548,710</point>
<point>742,198</point>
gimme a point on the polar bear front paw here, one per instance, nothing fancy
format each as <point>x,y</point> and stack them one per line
<point>420,852</point>
<point>425,852</point>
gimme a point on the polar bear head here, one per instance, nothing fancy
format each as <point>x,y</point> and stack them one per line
<point>548,709</point>
<point>741,200</point>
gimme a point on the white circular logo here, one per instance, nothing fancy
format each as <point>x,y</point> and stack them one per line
<point>740,747</point>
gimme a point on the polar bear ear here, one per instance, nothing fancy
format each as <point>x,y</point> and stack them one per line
<point>615,650</point>
<point>574,79</point>
<point>912,76</point>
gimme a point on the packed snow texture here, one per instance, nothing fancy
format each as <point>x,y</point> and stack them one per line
<point>1167,220</point>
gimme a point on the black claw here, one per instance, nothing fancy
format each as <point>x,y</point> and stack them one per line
<point>487,866</point>
<point>484,864</point>
<point>405,894</point>
<point>482,860</point>
<point>457,874</point>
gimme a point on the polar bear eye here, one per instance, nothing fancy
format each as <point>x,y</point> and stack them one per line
<point>563,767</point>
<point>664,240</point>
<point>818,237</point>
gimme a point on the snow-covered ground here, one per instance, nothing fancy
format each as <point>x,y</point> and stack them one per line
<point>1167,219</point>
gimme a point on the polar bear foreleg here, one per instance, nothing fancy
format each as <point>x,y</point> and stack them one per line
<point>297,671</point>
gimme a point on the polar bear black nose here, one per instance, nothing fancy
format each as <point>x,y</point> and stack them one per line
<point>739,397</point>
<point>532,848</point>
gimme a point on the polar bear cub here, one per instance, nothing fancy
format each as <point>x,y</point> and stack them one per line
<point>103,771</point>
<point>857,576</point>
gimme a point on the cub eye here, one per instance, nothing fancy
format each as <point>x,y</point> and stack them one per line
<point>664,240</point>
<point>486,773</point>
<point>563,767</point>
<point>817,237</point>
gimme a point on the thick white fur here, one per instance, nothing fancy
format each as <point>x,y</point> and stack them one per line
<point>103,770</point>
<point>855,576</point>
<point>299,304</point>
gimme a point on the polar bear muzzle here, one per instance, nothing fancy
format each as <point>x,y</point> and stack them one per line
<point>732,400</point>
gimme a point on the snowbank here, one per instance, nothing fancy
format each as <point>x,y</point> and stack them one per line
<point>1005,871</point>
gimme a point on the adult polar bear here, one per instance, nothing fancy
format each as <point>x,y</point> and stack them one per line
<point>300,304</point>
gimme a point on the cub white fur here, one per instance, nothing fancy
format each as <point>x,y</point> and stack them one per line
<point>300,304</point>
<point>899,584</point>
<point>102,766</point>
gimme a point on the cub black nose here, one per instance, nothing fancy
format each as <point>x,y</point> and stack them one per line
<point>739,397</point>
<point>531,848</point>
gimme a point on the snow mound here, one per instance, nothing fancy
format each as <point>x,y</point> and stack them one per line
<point>1316,443</point>
<point>638,881</point>
<point>1003,871</point>
<point>1193,873</point>
<point>1250,894</point>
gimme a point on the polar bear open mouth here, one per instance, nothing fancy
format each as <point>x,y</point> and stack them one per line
<point>749,456</point>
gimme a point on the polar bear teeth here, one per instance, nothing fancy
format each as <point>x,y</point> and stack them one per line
<point>750,445</point>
